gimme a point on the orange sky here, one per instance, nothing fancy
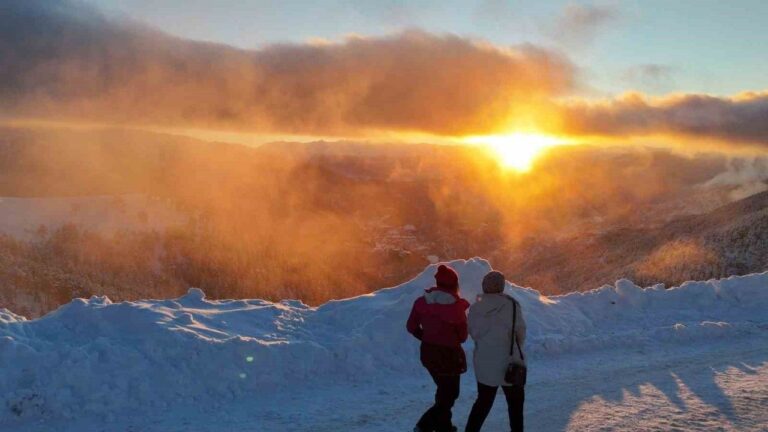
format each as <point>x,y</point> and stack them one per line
<point>412,85</point>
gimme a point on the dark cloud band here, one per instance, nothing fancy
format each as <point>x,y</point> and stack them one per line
<point>742,119</point>
<point>62,61</point>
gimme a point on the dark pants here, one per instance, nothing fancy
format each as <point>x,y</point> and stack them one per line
<point>438,417</point>
<point>485,396</point>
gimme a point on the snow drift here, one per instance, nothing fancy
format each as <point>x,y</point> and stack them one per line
<point>96,357</point>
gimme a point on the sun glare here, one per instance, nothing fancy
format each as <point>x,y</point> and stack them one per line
<point>518,150</point>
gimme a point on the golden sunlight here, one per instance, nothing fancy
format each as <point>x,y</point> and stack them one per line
<point>518,150</point>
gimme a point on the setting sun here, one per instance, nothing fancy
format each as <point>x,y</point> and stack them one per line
<point>517,150</point>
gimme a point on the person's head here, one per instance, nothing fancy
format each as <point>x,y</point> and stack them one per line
<point>447,278</point>
<point>493,282</point>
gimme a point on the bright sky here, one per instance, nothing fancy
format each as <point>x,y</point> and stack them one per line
<point>531,74</point>
<point>655,46</point>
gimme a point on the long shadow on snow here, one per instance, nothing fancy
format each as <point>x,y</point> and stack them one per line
<point>697,371</point>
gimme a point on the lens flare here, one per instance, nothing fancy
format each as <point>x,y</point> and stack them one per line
<point>518,150</point>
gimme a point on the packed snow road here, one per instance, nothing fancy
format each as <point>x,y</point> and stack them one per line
<point>700,387</point>
<point>718,387</point>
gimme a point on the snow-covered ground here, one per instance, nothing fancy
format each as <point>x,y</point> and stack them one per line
<point>22,217</point>
<point>620,357</point>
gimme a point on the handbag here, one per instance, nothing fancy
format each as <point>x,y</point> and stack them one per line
<point>516,374</point>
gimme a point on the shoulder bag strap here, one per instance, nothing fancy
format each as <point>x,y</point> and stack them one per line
<point>514,332</point>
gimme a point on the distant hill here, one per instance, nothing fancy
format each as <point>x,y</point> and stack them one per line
<point>55,162</point>
<point>138,214</point>
<point>730,240</point>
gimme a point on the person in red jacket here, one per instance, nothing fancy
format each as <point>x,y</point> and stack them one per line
<point>438,319</point>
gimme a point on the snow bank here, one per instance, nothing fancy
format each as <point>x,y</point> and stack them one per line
<point>98,358</point>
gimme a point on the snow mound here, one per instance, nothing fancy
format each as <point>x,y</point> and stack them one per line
<point>96,357</point>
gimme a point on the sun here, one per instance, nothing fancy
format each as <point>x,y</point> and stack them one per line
<point>517,150</point>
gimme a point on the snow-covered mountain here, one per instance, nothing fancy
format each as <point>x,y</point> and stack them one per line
<point>133,215</point>
<point>729,240</point>
<point>195,364</point>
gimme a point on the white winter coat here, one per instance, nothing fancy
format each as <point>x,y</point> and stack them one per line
<point>490,325</point>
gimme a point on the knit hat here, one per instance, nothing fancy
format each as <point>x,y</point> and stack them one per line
<point>447,278</point>
<point>493,282</point>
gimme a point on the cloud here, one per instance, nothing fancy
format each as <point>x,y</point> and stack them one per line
<point>750,176</point>
<point>741,119</point>
<point>63,61</point>
<point>651,77</point>
<point>578,24</point>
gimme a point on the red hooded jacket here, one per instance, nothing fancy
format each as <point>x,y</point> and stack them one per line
<point>438,319</point>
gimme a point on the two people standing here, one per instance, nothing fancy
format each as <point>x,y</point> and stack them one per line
<point>496,325</point>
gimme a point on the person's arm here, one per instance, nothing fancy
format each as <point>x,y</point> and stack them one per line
<point>462,327</point>
<point>476,327</point>
<point>414,321</point>
<point>462,330</point>
<point>472,326</point>
<point>520,329</point>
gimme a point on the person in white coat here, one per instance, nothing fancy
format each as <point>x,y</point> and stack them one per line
<point>490,325</point>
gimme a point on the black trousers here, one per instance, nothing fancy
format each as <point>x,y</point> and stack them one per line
<point>486,395</point>
<point>438,417</point>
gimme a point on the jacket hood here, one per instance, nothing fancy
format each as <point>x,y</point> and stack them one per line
<point>438,295</point>
<point>442,296</point>
<point>494,303</point>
